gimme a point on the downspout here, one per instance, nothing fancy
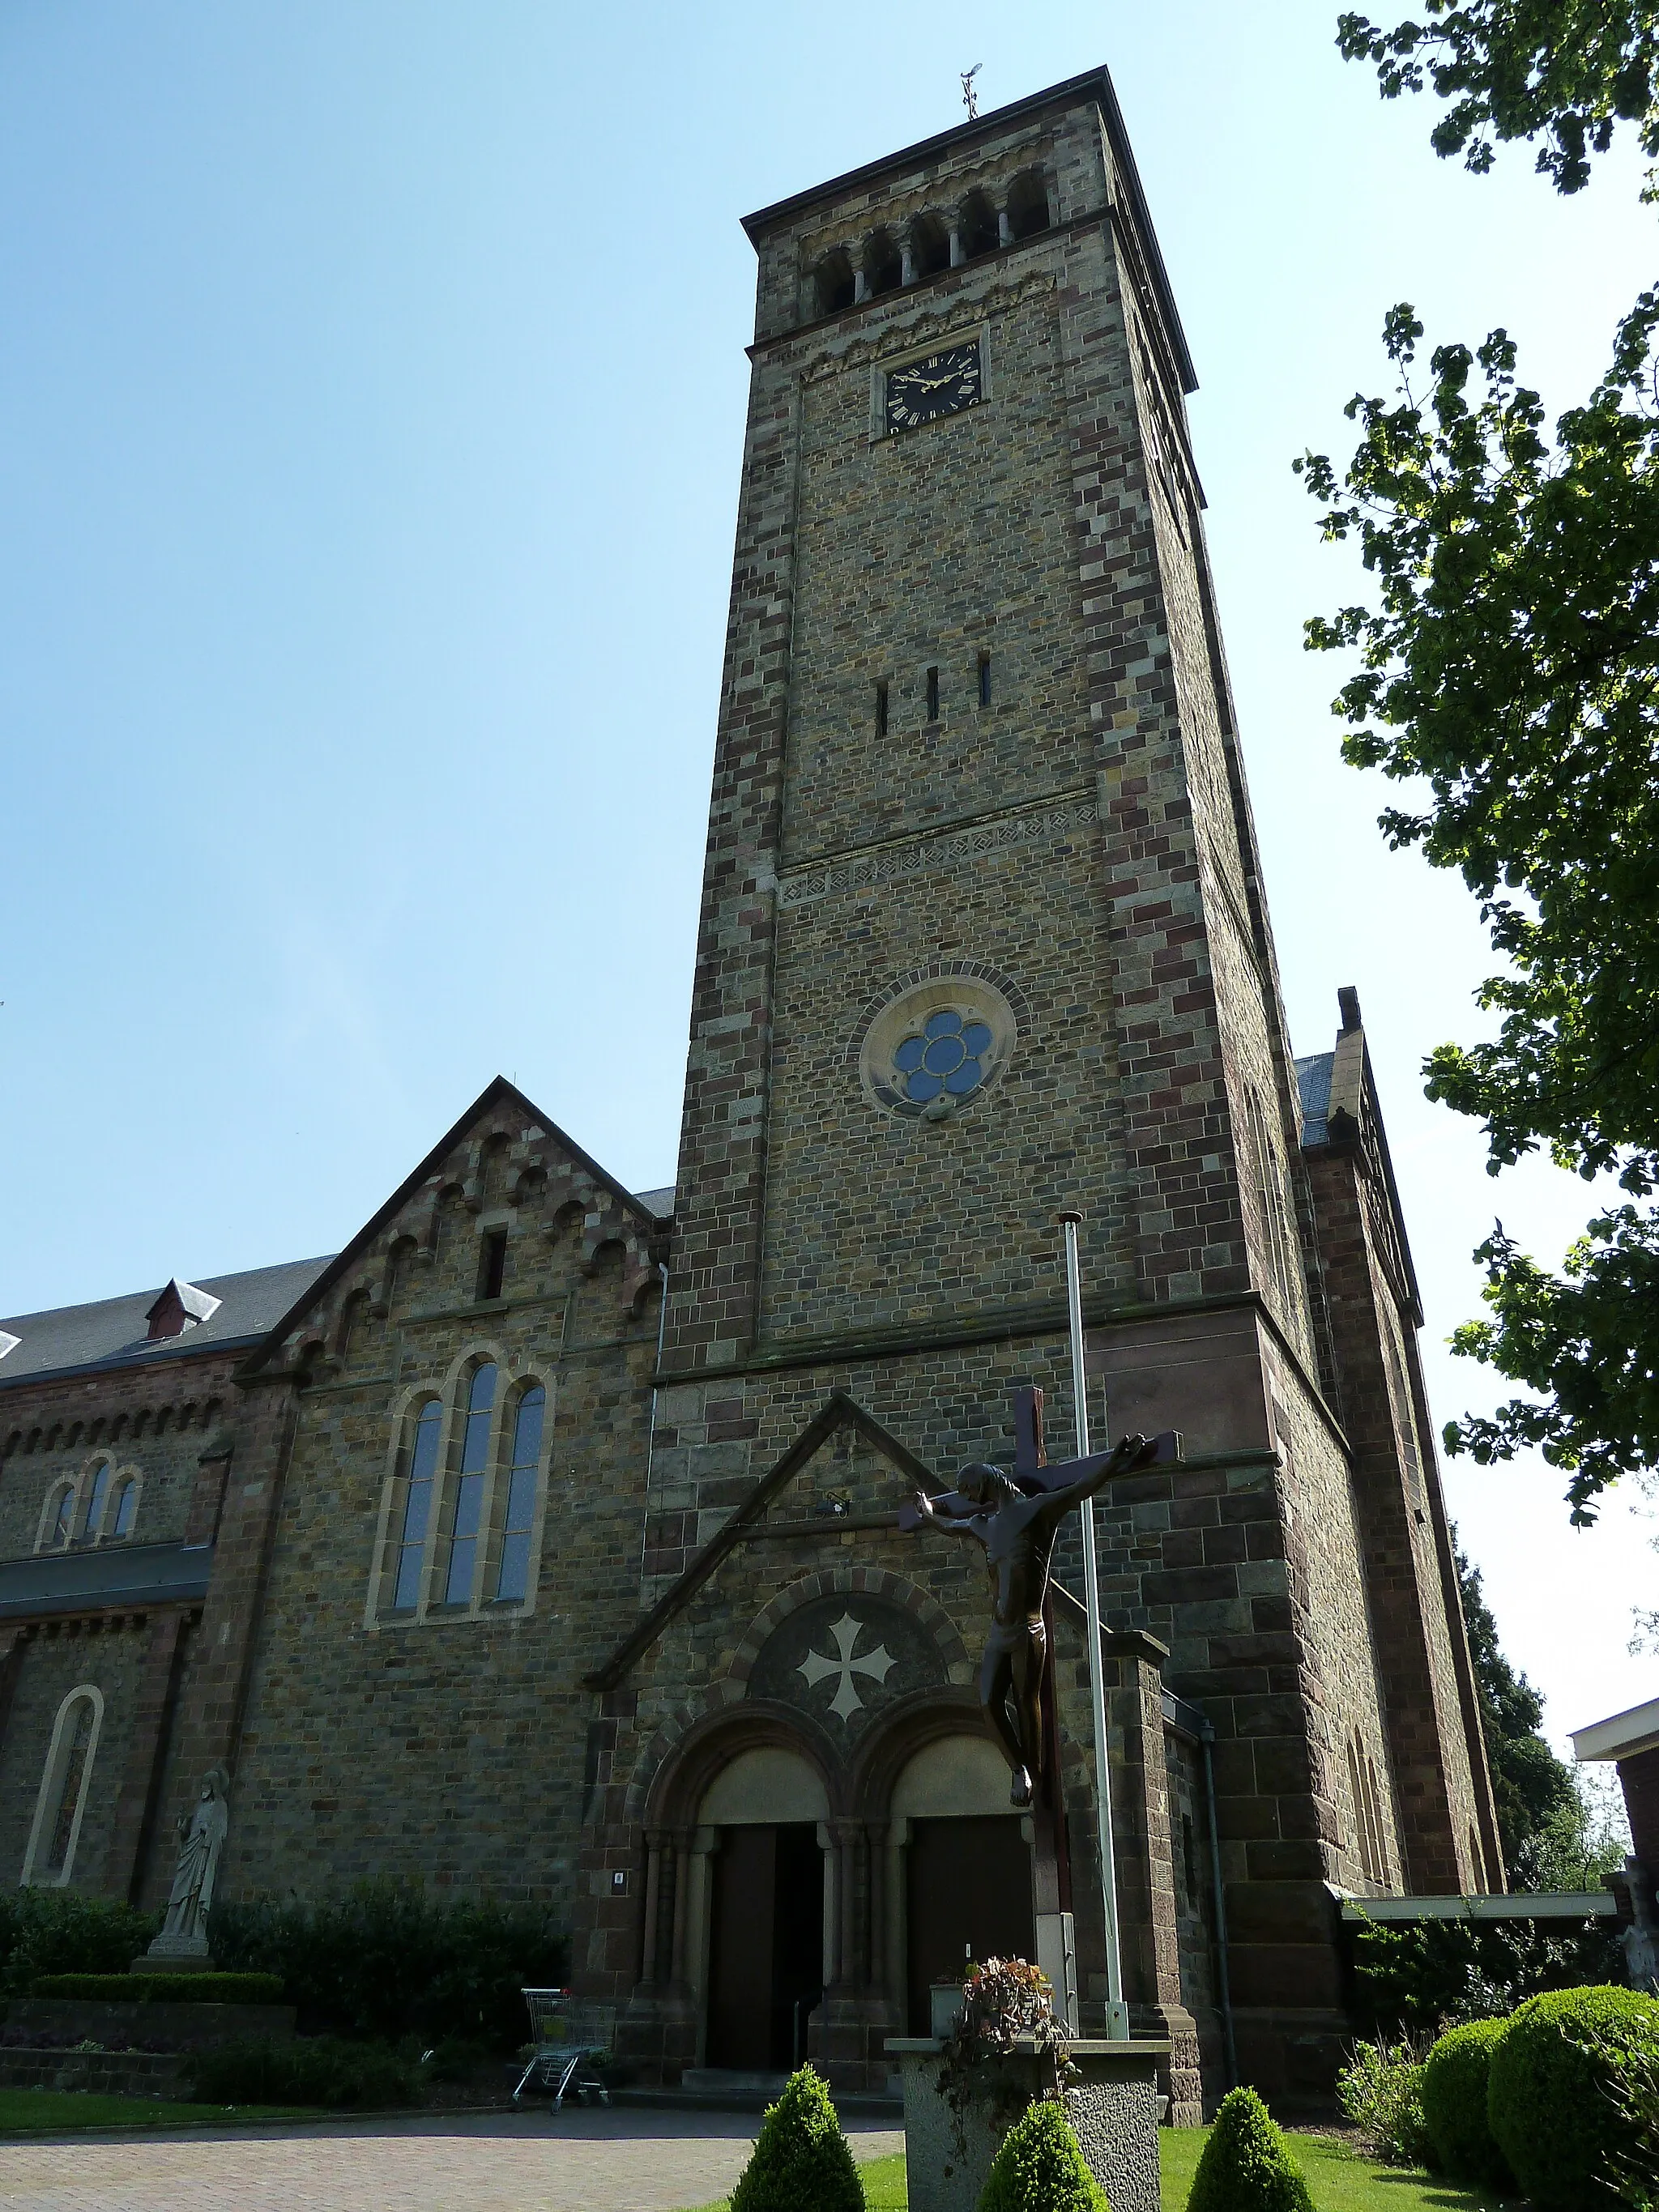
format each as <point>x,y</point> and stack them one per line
<point>1206,1737</point>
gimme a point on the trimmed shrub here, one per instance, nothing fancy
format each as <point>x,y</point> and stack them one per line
<point>1040,2167</point>
<point>1246,2165</point>
<point>1380,2090</point>
<point>384,1961</point>
<point>1633,2091</point>
<point>164,1989</point>
<point>321,2070</point>
<point>800,2162</point>
<point>58,1931</point>
<point>1549,2093</point>
<point>1454,2091</point>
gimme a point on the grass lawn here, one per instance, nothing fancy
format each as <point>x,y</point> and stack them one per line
<point>47,2111</point>
<point>1339,2180</point>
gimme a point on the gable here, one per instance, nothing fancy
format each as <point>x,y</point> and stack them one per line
<point>839,1413</point>
<point>505,1165</point>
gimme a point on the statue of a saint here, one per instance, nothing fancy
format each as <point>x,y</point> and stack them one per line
<point>201,1839</point>
<point>1016,1517</point>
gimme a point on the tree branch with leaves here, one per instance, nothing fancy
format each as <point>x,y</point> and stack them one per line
<point>1508,676</point>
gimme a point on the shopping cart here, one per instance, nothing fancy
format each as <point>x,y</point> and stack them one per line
<point>570,2039</point>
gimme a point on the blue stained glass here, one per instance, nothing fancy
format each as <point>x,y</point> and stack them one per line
<point>943,1055</point>
<point>963,1080</point>
<point>976,1037</point>
<point>922,1087</point>
<point>946,1022</point>
<point>909,1055</point>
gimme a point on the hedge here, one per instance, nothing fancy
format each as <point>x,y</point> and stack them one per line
<point>58,1931</point>
<point>384,1962</point>
<point>1453,2094</point>
<point>1548,2096</point>
<point>164,1989</point>
<point>1416,1976</point>
<point>320,2069</point>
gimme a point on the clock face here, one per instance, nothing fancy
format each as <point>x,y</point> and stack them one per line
<point>921,390</point>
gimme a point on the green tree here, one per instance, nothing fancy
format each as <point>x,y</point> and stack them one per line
<point>1566,71</point>
<point>1510,670</point>
<point>1554,1838</point>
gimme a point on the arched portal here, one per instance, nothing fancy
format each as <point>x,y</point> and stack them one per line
<point>960,1869</point>
<point>762,1826</point>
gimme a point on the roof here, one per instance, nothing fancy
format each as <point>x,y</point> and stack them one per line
<point>660,1202</point>
<point>1096,83</point>
<point>114,1332</point>
<point>1313,1084</point>
<point>1620,1737</point>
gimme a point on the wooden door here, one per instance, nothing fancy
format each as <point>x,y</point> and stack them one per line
<point>967,1895</point>
<point>740,1950</point>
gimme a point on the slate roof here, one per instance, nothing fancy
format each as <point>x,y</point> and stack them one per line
<point>113,1332</point>
<point>1313,1084</point>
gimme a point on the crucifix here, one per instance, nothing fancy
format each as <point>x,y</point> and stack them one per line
<point>1016,1517</point>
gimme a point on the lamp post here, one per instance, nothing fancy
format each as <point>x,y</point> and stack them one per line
<point>1117,2013</point>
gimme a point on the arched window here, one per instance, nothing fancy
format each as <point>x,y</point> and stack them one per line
<point>883,268</point>
<point>470,1488</point>
<point>513,1582</point>
<point>420,1471</point>
<point>55,1834</point>
<point>1368,1811</point>
<point>977,226</point>
<point>834,283</point>
<point>56,1519</point>
<point>124,1509</point>
<point>930,246</point>
<point>1028,206</point>
<point>95,1498</point>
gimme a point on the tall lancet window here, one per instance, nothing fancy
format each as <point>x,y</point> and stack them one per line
<point>512,1583</point>
<point>470,1488</point>
<point>422,1472</point>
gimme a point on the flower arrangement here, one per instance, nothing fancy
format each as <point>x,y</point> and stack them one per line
<point>1005,2003</point>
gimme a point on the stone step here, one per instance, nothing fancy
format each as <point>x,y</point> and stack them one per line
<point>730,2081</point>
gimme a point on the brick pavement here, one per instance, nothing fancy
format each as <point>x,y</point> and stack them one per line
<point>579,2161</point>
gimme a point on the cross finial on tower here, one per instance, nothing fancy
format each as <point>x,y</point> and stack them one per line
<point>970,97</point>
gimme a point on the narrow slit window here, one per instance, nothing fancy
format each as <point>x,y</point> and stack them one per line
<point>126,1507</point>
<point>63,1527</point>
<point>417,1506</point>
<point>469,1488</point>
<point>512,1583</point>
<point>932,695</point>
<point>985,679</point>
<point>492,1264</point>
<point>881,709</point>
<point>95,1502</point>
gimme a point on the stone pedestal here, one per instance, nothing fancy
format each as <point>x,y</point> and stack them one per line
<point>1115,2109</point>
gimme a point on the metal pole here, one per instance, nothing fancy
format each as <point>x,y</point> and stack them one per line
<point>1117,2013</point>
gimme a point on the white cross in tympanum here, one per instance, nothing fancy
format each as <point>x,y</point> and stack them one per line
<point>817,1666</point>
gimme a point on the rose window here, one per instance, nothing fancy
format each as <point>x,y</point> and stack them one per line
<point>944,1058</point>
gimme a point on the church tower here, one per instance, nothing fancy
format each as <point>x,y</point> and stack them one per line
<point>983,939</point>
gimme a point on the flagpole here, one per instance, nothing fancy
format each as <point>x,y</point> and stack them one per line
<point>1117,2013</point>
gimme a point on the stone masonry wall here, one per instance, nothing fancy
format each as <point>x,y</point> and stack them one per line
<point>448,1749</point>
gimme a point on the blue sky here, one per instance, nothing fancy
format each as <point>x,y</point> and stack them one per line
<point>371,403</point>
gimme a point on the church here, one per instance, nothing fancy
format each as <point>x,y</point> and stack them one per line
<point>549,1541</point>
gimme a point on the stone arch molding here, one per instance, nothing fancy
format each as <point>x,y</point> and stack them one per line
<point>731,1717</point>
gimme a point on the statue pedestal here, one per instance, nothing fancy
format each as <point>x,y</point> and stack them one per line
<point>175,1954</point>
<point>1115,2109</point>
